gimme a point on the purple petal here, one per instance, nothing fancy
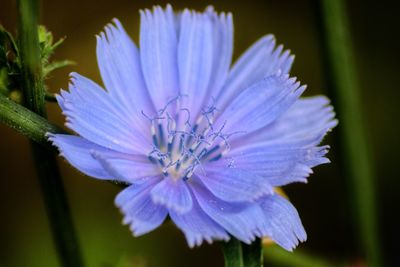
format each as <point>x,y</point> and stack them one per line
<point>76,151</point>
<point>286,150</point>
<point>173,194</point>
<point>280,163</point>
<point>195,58</point>
<point>204,55</point>
<point>284,224</point>
<point>158,52</point>
<point>119,64</point>
<point>307,118</point>
<point>100,122</point>
<point>233,184</point>
<point>245,221</point>
<point>198,226</point>
<point>126,167</point>
<point>223,49</point>
<point>84,91</point>
<point>261,60</point>
<point>139,210</point>
<point>260,104</point>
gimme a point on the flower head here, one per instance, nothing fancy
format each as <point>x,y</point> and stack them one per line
<point>195,138</point>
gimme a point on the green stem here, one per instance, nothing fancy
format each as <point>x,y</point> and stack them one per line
<point>279,257</point>
<point>45,161</point>
<point>253,254</point>
<point>30,56</point>
<point>233,254</point>
<point>358,156</point>
<point>237,254</point>
<point>26,122</point>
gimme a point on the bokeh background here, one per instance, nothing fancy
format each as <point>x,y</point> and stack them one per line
<point>325,204</point>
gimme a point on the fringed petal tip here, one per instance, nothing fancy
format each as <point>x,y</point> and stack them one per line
<point>283,222</point>
<point>137,227</point>
<point>50,136</point>
<point>139,211</point>
<point>197,241</point>
<point>261,60</point>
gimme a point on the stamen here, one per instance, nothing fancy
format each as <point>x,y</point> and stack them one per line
<point>171,133</point>
<point>161,135</point>
<point>202,153</point>
<point>154,135</point>
<point>170,144</point>
<point>152,160</point>
<point>212,150</point>
<point>188,174</point>
<point>193,132</point>
<point>181,144</point>
<point>161,162</point>
<point>175,99</point>
<point>178,165</point>
<point>183,148</point>
<point>187,122</point>
<point>216,157</point>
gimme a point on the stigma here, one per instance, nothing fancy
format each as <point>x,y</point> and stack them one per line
<point>181,144</point>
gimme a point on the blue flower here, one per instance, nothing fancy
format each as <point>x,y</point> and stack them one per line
<point>195,138</point>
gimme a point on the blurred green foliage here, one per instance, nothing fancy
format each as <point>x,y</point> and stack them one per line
<point>10,63</point>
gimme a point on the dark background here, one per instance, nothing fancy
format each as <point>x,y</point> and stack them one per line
<point>325,203</point>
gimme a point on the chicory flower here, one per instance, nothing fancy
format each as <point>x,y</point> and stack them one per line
<point>196,138</point>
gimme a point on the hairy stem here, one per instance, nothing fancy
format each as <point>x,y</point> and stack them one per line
<point>233,253</point>
<point>237,254</point>
<point>45,161</point>
<point>26,122</point>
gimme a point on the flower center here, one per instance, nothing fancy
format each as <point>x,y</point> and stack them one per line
<point>180,144</point>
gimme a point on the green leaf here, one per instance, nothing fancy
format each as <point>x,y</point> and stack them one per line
<point>47,47</point>
<point>56,65</point>
<point>237,254</point>
<point>9,63</point>
<point>3,81</point>
<point>58,43</point>
<point>7,38</point>
<point>45,36</point>
<point>45,43</point>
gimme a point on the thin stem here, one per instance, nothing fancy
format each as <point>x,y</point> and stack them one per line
<point>233,254</point>
<point>238,254</point>
<point>358,157</point>
<point>253,254</point>
<point>45,161</point>
<point>26,122</point>
<point>30,56</point>
<point>279,257</point>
